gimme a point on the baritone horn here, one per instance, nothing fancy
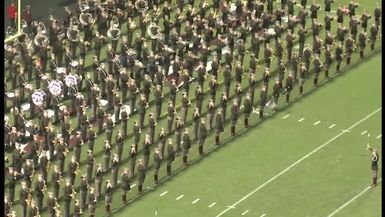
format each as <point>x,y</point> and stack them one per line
<point>141,5</point>
<point>114,32</point>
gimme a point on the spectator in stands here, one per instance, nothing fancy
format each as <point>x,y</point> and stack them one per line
<point>27,17</point>
<point>12,13</point>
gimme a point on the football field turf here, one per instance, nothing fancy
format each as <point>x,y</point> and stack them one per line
<point>288,167</point>
<point>297,162</point>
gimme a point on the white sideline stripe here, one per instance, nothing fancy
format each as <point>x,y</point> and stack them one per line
<point>286,116</point>
<point>213,204</point>
<point>244,213</point>
<point>316,123</point>
<point>351,200</point>
<point>300,120</point>
<point>133,185</point>
<point>332,126</point>
<point>163,193</point>
<point>364,132</point>
<point>379,136</point>
<point>263,214</point>
<point>179,197</point>
<point>195,201</point>
<point>297,162</point>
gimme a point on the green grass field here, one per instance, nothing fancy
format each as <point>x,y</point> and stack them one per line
<point>281,166</point>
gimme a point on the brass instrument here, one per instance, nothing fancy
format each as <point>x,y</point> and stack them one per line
<point>114,32</point>
<point>83,6</point>
<point>29,199</point>
<point>86,18</point>
<point>77,171</point>
<point>141,5</point>
<point>73,32</point>
<point>40,38</point>
<point>153,31</point>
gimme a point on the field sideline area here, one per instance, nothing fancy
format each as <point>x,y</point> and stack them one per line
<point>307,159</point>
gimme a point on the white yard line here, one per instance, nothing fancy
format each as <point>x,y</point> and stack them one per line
<point>286,116</point>
<point>351,200</point>
<point>244,213</point>
<point>297,162</point>
<point>179,197</point>
<point>331,126</point>
<point>316,123</point>
<point>163,193</point>
<point>379,136</point>
<point>213,204</point>
<point>364,132</point>
<point>133,185</point>
<point>264,214</point>
<point>195,201</point>
<point>300,120</point>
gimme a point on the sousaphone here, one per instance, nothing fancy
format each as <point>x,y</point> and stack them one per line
<point>73,32</point>
<point>114,32</point>
<point>141,5</point>
<point>40,38</point>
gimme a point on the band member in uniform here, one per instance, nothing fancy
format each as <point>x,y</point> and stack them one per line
<point>210,114</point>
<point>25,197</point>
<point>83,191</point>
<point>157,162</point>
<point>119,141</point>
<point>350,47</point>
<point>289,86</point>
<point>136,134</point>
<point>11,177</point>
<point>146,150</point>
<point>132,160</point>
<point>56,180</point>
<point>125,184</point>
<point>115,170</point>
<point>92,201</point>
<point>339,55</point>
<point>90,165</point>
<point>69,194</point>
<point>52,205</point>
<point>377,15</point>
<point>248,107</point>
<point>73,167</point>
<point>362,38</point>
<point>186,146</point>
<point>219,123</point>
<point>151,127</point>
<point>262,101</point>
<point>328,5</point>
<point>373,35</point>
<point>98,180</point>
<point>276,92</point>
<point>234,116</point>
<point>170,156</point>
<point>317,64</point>
<point>108,196</point>
<point>375,159</point>
<point>141,176</point>
<point>107,155</point>
<point>328,60</point>
<point>364,20</point>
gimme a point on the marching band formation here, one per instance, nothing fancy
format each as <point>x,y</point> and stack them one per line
<point>165,48</point>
